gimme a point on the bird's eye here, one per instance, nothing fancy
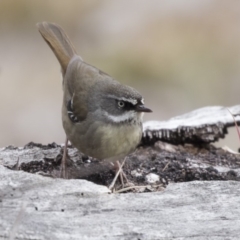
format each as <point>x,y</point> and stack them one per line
<point>121,104</point>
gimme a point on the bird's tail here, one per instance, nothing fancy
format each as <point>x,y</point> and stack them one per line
<point>59,42</point>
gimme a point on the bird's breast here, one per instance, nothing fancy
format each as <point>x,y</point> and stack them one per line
<point>101,140</point>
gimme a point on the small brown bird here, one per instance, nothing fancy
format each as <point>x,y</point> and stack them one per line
<point>101,117</point>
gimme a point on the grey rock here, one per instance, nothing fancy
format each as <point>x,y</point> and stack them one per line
<point>36,207</point>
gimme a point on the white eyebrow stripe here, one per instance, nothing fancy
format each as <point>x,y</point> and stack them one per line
<point>121,118</point>
<point>131,100</point>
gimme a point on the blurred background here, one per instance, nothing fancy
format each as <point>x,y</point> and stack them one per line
<point>181,55</point>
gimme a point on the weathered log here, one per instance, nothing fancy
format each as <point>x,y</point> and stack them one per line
<point>204,125</point>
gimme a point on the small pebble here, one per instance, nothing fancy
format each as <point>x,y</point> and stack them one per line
<point>152,178</point>
<point>136,173</point>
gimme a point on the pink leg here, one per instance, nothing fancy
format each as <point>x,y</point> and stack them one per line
<point>120,173</point>
<point>64,160</point>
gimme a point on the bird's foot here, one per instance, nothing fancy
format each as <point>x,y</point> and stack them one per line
<point>119,173</point>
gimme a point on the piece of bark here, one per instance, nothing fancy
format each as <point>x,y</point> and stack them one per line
<point>204,125</point>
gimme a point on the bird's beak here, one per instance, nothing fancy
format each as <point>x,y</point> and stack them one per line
<point>142,108</point>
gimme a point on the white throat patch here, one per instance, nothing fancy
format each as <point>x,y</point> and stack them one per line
<point>127,116</point>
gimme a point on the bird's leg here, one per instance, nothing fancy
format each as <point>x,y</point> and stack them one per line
<point>64,160</point>
<point>120,173</point>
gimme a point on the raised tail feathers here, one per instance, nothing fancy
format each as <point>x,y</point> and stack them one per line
<point>58,41</point>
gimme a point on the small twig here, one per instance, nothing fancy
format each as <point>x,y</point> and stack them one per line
<point>166,166</point>
<point>129,188</point>
<point>135,187</point>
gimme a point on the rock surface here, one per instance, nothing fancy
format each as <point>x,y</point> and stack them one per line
<point>36,207</point>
